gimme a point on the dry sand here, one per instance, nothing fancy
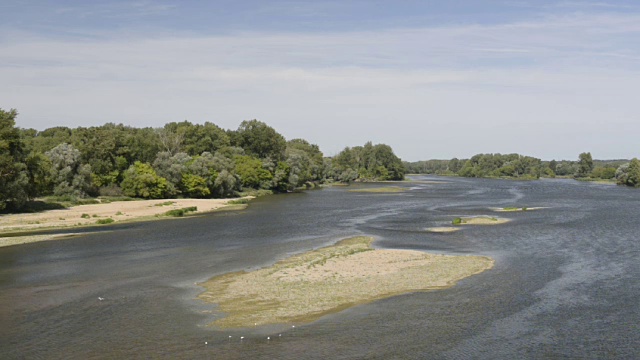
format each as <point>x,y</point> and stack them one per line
<point>305,287</point>
<point>443,229</point>
<point>118,211</point>
<point>514,209</point>
<point>483,220</point>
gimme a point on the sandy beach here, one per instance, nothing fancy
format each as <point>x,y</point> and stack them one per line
<point>86,215</point>
<point>305,287</point>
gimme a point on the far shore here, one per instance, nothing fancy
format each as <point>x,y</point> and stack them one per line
<point>305,287</point>
<point>22,228</point>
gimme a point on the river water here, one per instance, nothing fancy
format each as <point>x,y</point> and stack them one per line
<point>565,284</point>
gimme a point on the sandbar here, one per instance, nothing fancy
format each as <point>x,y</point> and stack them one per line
<point>119,211</point>
<point>483,220</point>
<point>515,209</point>
<point>305,287</point>
<point>443,229</point>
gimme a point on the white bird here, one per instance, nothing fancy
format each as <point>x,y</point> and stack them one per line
<point>293,326</point>
<point>206,343</point>
<point>100,298</point>
<point>268,338</point>
<point>241,338</point>
<point>279,335</point>
<point>229,337</point>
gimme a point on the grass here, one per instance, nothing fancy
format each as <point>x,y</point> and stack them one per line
<point>457,221</point>
<point>166,203</point>
<point>85,216</point>
<point>514,209</point>
<point>181,212</point>
<point>105,221</point>
<point>238,201</point>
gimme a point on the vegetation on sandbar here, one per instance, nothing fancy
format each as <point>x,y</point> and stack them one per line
<point>305,287</point>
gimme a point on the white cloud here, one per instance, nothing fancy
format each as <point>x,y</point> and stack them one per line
<point>547,88</point>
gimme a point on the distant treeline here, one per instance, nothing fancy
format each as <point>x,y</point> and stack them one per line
<point>516,166</point>
<point>179,159</point>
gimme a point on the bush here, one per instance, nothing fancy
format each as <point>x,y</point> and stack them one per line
<point>181,212</point>
<point>85,216</point>
<point>110,190</point>
<point>238,201</point>
<point>105,221</point>
<point>457,221</point>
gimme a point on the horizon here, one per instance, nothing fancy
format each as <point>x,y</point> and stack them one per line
<point>548,79</point>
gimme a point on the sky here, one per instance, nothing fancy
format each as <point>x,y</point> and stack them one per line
<point>433,79</point>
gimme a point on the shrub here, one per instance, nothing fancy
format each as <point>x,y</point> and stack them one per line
<point>181,212</point>
<point>238,201</point>
<point>457,221</point>
<point>105,221</point>
<point>85,216</point>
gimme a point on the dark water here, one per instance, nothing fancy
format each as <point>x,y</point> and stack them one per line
<point>565,284</point>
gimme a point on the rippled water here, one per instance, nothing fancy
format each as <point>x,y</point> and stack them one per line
<point>565,284</point>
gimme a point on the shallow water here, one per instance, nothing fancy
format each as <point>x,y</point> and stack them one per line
<point>564,285</point>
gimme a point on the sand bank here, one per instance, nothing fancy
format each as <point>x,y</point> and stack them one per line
<point>514,209</point>
<point>305,287</point>
<point>482,220</point>
<point>85,215</point>
<point>443,229</point>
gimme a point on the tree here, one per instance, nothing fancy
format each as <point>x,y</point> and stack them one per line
<point>585,165</point>
<point>252,173</point>
<point>68,175</point>
<point>261,140</point>
<point>633,178</point>
<point>13,171</point>
<point>140,180</point>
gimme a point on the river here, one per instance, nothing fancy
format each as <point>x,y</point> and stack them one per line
<point>565,283</point>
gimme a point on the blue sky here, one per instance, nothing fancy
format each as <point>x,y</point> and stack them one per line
<point>433,79</point>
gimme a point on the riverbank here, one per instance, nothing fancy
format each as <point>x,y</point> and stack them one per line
<point>103,213</point>
<point>303,288</point>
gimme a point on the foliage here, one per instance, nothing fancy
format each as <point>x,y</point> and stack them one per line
<point>104,221</point>
<point>181,212</point>
<point>260,140</point>
<point>140,180</point>
<point>14,179</point>
<point>251,172</point>
<point>585,165</point>
<point>69,176</point>
<point>368,162</point>
<point>194,160</point>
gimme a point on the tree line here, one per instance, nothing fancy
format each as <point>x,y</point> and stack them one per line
<point>179,159</point>
<point>516,166</point>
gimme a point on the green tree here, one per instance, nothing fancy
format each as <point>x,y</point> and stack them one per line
<point>68,175</point>
<point>13,170</point>
<point>585,165</point>
<point>260,140</point>
<point>140,180</point>
<point>633,178</point>
<point>252,173</point>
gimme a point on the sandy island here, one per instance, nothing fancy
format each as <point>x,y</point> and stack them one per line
<point>443,229</point>
<point>86,215</point>
<point>514,209</point>
<point>482,220</point>
<point>305,287</point>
